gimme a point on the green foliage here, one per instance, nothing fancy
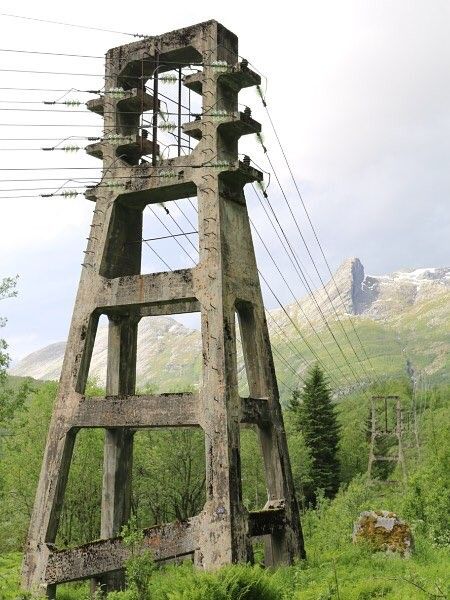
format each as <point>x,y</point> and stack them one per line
<point>140,566</point>
<point>20,465</point>
<point>254,493</point>
<point>9,575</point>
<point>427,500</point>
<point>239,582</point>
<point>169,475</point>
<point>301,460</point>
<point>11,399</point>
<point>169,482</point>
<point>7,290</point>
<point>315,417</point>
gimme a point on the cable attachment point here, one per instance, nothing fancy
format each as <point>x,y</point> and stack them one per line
<point>168,78</point>
<point>260,94</point>
<point>261,141</point>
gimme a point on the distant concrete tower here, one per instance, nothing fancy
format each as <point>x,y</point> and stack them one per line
<point>386,423</point>
<point>222,285</point>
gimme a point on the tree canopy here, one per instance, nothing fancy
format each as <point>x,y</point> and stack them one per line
<point>315,417</point>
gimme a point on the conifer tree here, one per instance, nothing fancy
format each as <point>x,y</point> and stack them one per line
<point>315,417</point>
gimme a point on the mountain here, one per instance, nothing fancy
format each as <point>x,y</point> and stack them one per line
<point>402,320</point>
<point>165,355</point>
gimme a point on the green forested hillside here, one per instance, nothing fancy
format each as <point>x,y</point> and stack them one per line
<point>165,489</point>
<point>420,336</point>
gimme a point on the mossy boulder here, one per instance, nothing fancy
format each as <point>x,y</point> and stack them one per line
<point>383,531</point>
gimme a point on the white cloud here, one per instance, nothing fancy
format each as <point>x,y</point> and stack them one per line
<point>360,94</point>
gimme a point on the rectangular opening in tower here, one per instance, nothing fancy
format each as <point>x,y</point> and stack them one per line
<point>243,386</point>
<point>81,508</point>
<point>99,359</point>
<point>180,102</point>
<point>170,236</point>
<point>169,354</point>
<point>254,489</point>
<point>168,475</point>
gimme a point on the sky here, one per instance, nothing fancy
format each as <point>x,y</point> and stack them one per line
<point>360,95</point>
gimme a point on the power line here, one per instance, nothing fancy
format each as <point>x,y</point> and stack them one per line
<point>182,232</point>
<point>184,214</point>
<point>27,149</point>
<point>79,178</point>
<point>304,281</point>
<point>284,359</point>
<point>50,90</point>
<point>160,258</point>
<point>59,73</point>
<point>303,272</point>
<point>80,125</point>
<point>312,260</point>
<point>49,53</point>
<point>307,248</point>
<point>291,320</point>
<point>287,363</point>
<point>289,341</point>
<point>279,353</point>
<point>295,299</point>
<point>171,233</point>
<point>317,239</point>
<point>58,139</point>
<point>88,112</point>
<point>186,64</point>
<point>71,25</point>
<point>115,167</point>
<point>165,237</point>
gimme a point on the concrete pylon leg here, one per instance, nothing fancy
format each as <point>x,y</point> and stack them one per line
<point>281,546</point>
<point>224,537</point>
<point>118,451</point>
<point>58,454</point>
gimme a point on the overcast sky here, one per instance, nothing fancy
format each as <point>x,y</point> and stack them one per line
<point>360,94</point>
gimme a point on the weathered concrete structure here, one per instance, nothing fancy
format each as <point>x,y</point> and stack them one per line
<point>386,423</point>
<point>223,284</point>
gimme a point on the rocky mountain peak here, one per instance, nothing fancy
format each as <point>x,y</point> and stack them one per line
<point>349,279</point>
<point>377,297</point>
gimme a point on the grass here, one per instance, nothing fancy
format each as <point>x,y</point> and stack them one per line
<point>356,574</point>
<point>350,574</point>
<point>9,575</point>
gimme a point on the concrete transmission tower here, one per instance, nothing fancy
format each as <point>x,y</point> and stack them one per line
<point>386,426</point>
<point>224,284</point>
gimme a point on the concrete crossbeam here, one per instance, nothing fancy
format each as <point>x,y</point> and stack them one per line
<point>164,410</point>
<point>143,290</point>
<point>104,556</point>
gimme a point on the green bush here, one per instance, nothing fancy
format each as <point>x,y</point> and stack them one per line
<point>427,499</point>
<point>237,582</point>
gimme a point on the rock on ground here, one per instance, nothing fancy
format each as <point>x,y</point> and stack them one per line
<point>384,531</point>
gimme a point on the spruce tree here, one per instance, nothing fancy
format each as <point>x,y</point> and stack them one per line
<point>315,417</point>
